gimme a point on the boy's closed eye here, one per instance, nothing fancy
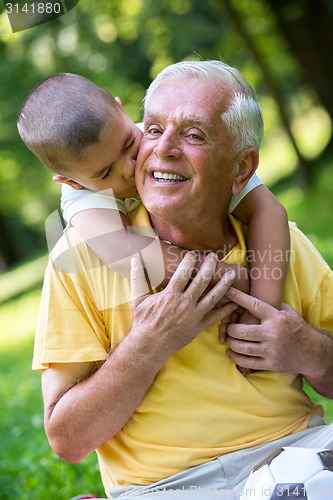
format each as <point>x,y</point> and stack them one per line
<point>106,175</point>
<point>132,142</point>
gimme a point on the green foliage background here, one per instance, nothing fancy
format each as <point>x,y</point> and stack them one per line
<point>121,45</point>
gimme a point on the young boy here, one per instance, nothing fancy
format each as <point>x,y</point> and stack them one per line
<point>79,131</point>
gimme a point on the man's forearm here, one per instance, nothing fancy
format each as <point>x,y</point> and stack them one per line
<point>322,378</point>
<point>95,409</point>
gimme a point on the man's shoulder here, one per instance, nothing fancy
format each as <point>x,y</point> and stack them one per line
<point>304,253</point>
<point>71,254</point>
<point>301,242</point>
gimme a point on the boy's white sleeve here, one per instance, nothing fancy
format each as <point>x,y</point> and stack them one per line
<point>253,183</point>
<point>74,201</point>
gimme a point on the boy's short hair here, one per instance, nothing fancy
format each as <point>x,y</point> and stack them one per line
<point>61,116</point>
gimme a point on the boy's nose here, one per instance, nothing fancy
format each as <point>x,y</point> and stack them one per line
<point>129,168</point>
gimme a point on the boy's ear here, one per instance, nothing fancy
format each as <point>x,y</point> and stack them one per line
<point>118,101</point>
<point>247,164</point>
<point>61,179</point>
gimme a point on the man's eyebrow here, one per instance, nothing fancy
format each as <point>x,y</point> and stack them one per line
<point>197,121</point>
<point>194,120</point>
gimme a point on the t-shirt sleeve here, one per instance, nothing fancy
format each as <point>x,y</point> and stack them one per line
<point>70,326</point>
<point>320,310</point>
<point>252,184</point>
<point>74,201</point>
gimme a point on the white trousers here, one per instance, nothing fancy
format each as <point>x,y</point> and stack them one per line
<point>225,477</point>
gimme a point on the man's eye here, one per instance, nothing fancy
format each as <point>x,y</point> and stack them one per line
<point>194,135</point>
<point>153,131</point>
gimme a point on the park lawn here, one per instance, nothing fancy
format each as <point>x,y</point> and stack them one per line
<point>28,468</point>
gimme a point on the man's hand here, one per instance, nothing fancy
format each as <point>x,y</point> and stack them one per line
<point>171,318</point>
<point>282,342</point>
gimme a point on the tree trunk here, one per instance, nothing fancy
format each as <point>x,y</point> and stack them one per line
<point>307,26</point>
<point>302,172</point>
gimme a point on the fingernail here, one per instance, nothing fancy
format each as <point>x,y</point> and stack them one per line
<point>231,274</point>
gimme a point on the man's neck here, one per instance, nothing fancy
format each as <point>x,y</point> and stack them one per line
<point>218,237</point>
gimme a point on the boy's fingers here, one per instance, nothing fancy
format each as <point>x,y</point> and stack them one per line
<point>223,326</point>
<point>256,307</point>
<point>139,285</point>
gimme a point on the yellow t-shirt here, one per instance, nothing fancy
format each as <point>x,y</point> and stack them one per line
<point>199,406</point>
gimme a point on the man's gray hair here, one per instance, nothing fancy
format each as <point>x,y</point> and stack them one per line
<point>243,117</point>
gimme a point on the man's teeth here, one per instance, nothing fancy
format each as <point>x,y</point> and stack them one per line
<point>162,176</point>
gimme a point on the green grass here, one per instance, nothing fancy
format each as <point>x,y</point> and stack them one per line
<point>28,467</point>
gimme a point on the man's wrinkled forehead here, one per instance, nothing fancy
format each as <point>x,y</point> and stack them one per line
<point>221,91</point>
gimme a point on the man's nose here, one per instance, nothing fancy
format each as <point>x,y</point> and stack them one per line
<point>168,145</point>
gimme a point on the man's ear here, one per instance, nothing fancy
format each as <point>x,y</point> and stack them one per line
<point>61,179</point>
<point>247,164</point>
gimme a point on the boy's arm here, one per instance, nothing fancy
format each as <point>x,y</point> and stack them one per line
<point>108,233</point>
<point>268,243</point>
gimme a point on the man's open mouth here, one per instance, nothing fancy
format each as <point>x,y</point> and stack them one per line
<point>167,177</point>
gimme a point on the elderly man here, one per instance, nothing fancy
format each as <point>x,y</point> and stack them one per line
<point>154,391</point>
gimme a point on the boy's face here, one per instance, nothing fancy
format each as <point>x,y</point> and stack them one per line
<point>111,162</point>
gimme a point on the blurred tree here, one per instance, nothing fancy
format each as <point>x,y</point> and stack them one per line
<point>272,82</point>
<point>121,45</point>
<point>307,26</point>
<point>305,63</point>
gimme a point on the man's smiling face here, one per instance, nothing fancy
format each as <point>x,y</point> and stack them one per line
<point>186,161</point>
